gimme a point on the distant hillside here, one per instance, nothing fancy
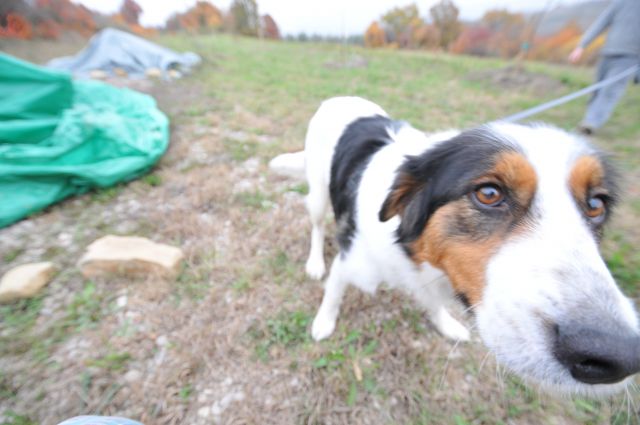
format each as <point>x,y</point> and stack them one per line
<point>583,13</point>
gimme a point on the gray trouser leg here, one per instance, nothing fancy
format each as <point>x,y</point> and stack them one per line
<point>604,100</point>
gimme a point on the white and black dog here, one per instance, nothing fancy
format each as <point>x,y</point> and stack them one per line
<point>505,217</point>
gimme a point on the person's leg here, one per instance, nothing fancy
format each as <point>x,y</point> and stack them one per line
<point>604,100</point>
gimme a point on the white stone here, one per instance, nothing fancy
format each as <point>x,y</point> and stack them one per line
<point>230,398</point>
<point>204,412</point>
<point>133,376</point>
<point>120,72</point>
<point>153,72</point>
<point>130,255</point>
<point>98,74</point>
<point>25,281</point>
<point>65,239</point>
<point>121,301</point>
<point>174,74</point>
<point>216,410</point>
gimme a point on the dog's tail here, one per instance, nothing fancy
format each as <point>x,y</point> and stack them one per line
<point>289,164</point>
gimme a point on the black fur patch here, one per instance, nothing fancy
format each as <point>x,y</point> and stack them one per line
<point>465,301</point>
<point>359,142</point>
<point>443,174</point>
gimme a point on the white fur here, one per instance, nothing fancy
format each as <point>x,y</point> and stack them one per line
<point>373,258</point>
<point>520,280</point>
<point>325,129</point>
<point>289,165</point>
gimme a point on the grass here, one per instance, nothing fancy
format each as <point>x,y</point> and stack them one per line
<point>111,361</point>
<point>301,188</point>
<point>12,254</point>
<point>152,179</point>
<point>106,195</point>
<point>286,330</point>
<point>186,392</point>
<point>353,358</point>
<point>84,311</point>
<point>242,305</point>
<point>282,268</point>
<point>624,262</point>
<point>192,283</point>
<point>240,151</point>
<point>86,308</point>
<point>255,199</point>
<point>13,418</point>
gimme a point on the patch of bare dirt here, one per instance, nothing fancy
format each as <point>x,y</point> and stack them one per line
<point>348,62</point>
<point>517,78</point>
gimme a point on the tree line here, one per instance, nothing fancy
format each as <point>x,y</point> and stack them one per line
<point>49,19</point>
<point>498,33</point>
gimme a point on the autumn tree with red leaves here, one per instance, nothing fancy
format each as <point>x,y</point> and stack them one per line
<point>425,37</point>
<point>473,40</point>
<point>557,46</point>
<point>130,12</point>
<point>268,28</point>
<point>202,17</point>
<point>67,15</point>
<point>16,26</point>
<point>508,32</point>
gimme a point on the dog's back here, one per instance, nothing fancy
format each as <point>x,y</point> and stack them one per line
<point>325,129</point>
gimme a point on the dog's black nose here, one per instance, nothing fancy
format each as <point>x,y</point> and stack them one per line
<point>596,357</point>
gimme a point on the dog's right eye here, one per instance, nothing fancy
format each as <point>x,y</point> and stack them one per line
<point>596,209</point>
<point>488,195</point>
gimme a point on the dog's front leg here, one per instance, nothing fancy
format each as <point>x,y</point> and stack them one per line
<point>317,203</point>
<point>432,297</point>
<point>325,321</point>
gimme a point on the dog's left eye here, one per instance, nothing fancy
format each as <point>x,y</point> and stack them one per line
<point>488,195</point>
<point>596,209</point>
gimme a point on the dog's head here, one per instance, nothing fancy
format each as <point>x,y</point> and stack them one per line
<point>513,215</point>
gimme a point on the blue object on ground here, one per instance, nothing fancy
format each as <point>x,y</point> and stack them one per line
<point>111,48</point>
<point>99,420</point>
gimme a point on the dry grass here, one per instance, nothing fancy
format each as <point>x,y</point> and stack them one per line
<point>228,341</point>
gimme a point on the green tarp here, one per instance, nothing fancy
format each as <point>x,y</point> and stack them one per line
<point>60,137</point>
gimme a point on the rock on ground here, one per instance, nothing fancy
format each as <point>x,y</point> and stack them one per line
<point>25,281</point>
<point>131,256</point>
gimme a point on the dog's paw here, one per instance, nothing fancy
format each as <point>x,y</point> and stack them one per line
<point>451,328</point>
<point>322,327</point>
<point>315,268</point>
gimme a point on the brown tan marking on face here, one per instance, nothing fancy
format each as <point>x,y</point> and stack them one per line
<point>460,239</point>
<point>587,173</point>
<point>403,188</point>
<point>517,174</point>
<point>464,260</point>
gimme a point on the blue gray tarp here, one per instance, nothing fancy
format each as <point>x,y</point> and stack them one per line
<point>111,48</point>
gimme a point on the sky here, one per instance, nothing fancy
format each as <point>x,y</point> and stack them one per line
<point>326,17</point>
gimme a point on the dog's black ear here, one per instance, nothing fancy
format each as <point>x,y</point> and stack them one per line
<point>427,181</point>
<point>404,188</point>
<point>411,197</point>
